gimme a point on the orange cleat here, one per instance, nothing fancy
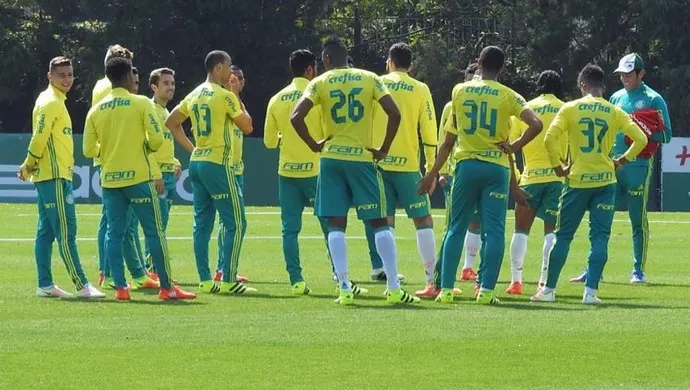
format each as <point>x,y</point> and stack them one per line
<point>515,288</point>
<point>242,279</point>
<point>153,276</point>
<point>122,294</point>
<point>431,291</point>
<point>101,279</point>
<point>169,294</point>
<point>218,277</point>
<point>468,274</point>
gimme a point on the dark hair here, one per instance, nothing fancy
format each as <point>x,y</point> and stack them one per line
<point>118,51</point>
<point>117,70</point>
<point>471,68</point>
<point>156,74</point>
<point>335,48</point>
<point>549,82</point>
<point>214,58</point>
<point>235,68</point>
<point>300,60</point>
<point>492,59</point>
<point>401,54</point>
<point>592,76</point>
<point>59,61</point>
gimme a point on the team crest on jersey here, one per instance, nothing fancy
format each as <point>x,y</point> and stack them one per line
<point>639,104</point>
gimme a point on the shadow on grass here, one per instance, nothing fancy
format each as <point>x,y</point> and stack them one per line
<point>254,296</point>
<point>136,302</point>
<point>648,285</point>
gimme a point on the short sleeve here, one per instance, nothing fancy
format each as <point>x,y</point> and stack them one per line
<point>517,104</point>
<point>380,89</point>
<point>232,105</point>
<point>312,92</point>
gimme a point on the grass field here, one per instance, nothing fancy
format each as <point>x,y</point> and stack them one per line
<point>640,338</point>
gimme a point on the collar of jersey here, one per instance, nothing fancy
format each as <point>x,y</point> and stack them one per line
<point>300,81</point>
<point>61,95</point>
<point>120,91</point>
<point>638,89</point>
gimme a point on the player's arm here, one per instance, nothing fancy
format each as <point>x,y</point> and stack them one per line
<point>306,103</point>
<point>42,129</point>
<point>557,129</point>
<point>529,117</point>
<point>238,113</point>
<point>174,123</point>
<point>427,184</point>
<point>90,145</point>
<point>445,116</point>
<point>271,132</point>
<point>391,109</point>
<point>152,126</point>
<point>663,136</point>
<point>630,128</point>
<point>427,130</point>
<point>516,126</point>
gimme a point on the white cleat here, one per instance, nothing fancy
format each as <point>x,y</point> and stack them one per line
<point>90,292</point>
<point>540,296</point>
<point>589,299</point>
<point>52,292</point>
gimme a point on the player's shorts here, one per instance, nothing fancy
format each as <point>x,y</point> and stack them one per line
<point>343,184</point>
<point>544,198</point>
<point>401,190</point>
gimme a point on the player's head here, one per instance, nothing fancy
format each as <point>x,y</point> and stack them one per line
<point>134,87</point>
<point>61,74</point>
<point>217,65</point>
<point>631,71</point>
<point>549,82</point>
<point>334,53</point>
<point>399,57</point>
<point>303,64</point>
<point>491,61</point>
<point>119,71</point>
<point>470,71</point>
<point>118,51</point>
<point>239,73</point>
<point>591,79</point>
<point>162,83</point>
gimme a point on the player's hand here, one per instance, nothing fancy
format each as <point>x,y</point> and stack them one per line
<point>178,171</point>
<point>160,186</point>
<point>520,196</point>
<point>318,146</point>
<point>24,172</point>
<point>235,84</point>
<point>443,180</point>
<point>427,184</point>
<point>619,162</point>
<point>561,171</point>
<point>506,147</point>
<point>379,154</point>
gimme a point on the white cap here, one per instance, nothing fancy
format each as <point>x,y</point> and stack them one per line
<point>630,62</point>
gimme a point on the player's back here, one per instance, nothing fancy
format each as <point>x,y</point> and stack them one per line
<point>120,120</point>
<point>413,100</point>
<point>208,107</point>
<point>100,90</point>
<point>347,97</point>
<point>537,164</point>
<point>482,110</point>
<point>591,124</point>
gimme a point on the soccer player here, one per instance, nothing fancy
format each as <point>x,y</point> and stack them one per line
<point>214,110</point>
<point>481,110</point>
<point>633,180</point>
<point>400,168</point>
<point>49,163</point>
<point>298,166</point>
<point>348,175</point>
<point>162,83</point>
<point>539,181</point>
<point>473,237</point>
<point>591,124</point>
<point>121,129</point>
<point>133,256</point>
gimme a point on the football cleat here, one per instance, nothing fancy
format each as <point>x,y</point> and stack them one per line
<point>379,275</point>
<point>122,294</point>
<point>399,296</point>
<point>209,287</point>
<point>237,288</point>
<point>174,293</point>
<point>445,296</point>
<point>487,298</point>
<point>468,274</point>
<point>89,291</point>
<point>515,288</point>
<point>346,298</point>
<point>541,296</point>
<point>589,299</point>
<point>431,291</point>
<point>146,282</point>
<point>52,292</point>
<point>638,278</point>
<point>300,288</point>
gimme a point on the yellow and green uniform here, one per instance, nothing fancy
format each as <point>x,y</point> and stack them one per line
<point>481,111</point>
<point>538,178</point>
<point>51,153</point>
<point>212,110</point>
<point>122,129</point>
<point>348,176</point>
<point>298,168</point>
<point>134,258</point>
<point>590,124</point>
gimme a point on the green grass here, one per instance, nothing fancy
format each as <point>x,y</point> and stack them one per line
<point>638,339</point>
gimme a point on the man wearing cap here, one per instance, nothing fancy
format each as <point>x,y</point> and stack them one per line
<point>637,98</point>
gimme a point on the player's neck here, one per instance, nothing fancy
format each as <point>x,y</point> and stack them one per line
<point>211,79</point>
<point>596,92</point>
<point>400,70</point>
<point>489,76</point>
<point>159,101</point>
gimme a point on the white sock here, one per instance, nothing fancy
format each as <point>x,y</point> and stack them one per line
<point>590,291</point>
<point>426,245</point>
<point>385,245</point>
<point>472,244</point>
<point>518,249</point>
<point>546,290</point>
<point>549,240</point>
<point>338,247</point>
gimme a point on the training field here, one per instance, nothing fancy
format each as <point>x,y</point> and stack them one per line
<point>640,338</point>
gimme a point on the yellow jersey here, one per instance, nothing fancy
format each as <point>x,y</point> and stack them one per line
<point>418,119</point>
<point>591,124</point>
<point>296,159</point>
<point>122,129</point>
<point>446,118</point>
<point>537,166</point>
<point>165,155</point>
<point>100,90</point>
<point>347,97</point>
<point>482,110</point>
<point>51,149</point>
<point>212,109</point>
